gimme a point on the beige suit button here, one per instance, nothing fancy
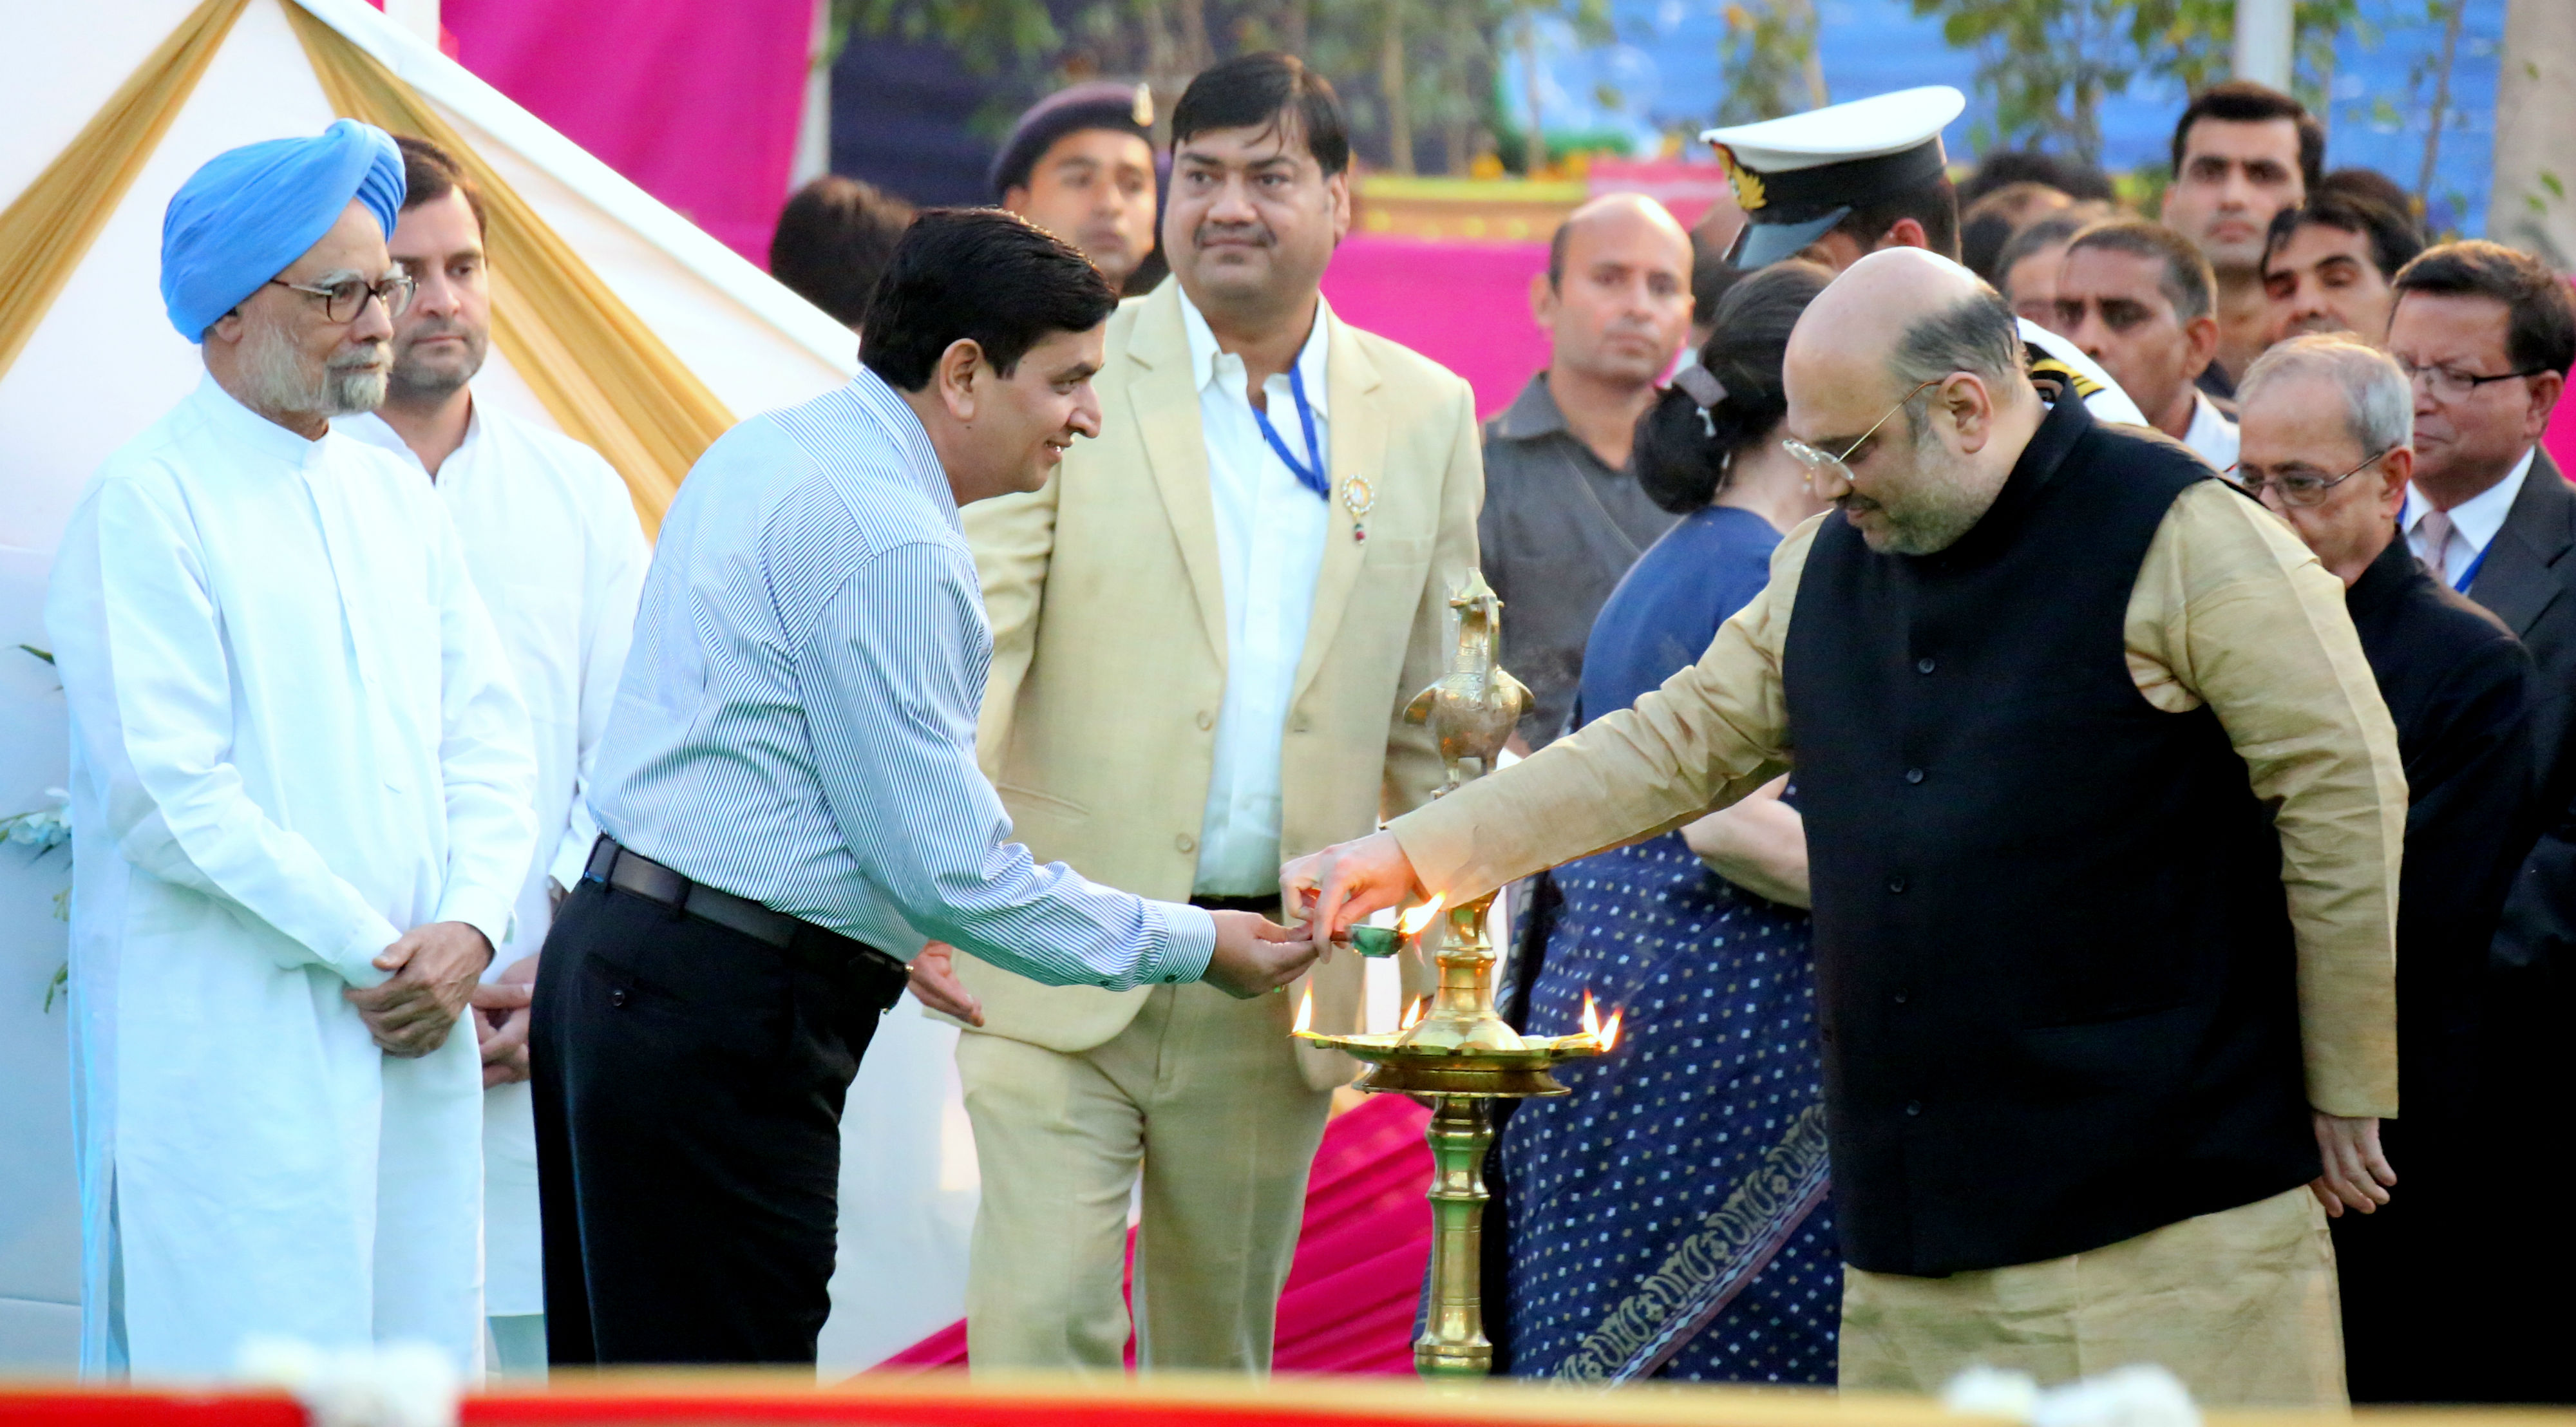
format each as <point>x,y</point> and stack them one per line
<point>1206,719</point>
<point>1186,843</point>
<point>1301,724</point>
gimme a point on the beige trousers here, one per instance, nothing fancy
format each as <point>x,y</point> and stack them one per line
<point>1201,1096</point>
<point>2239,1304</point>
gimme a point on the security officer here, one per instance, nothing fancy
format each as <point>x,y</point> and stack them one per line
<point>1835,184</point>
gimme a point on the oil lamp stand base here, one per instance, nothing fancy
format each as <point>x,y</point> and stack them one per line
<point>1453,1342</point>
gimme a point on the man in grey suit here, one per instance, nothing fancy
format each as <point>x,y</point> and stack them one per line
<point>2487,334</point>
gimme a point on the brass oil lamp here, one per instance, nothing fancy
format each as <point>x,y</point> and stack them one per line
<point>1454,1050</point>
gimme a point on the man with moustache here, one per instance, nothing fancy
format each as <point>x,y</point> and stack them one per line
<point>2137,297</point>
<point>1564,516</point>
<point>2327,430</point>
<point>1205,630</point>
<point>1080,164</point>
<point>301,809</point>
<point>2330,264</point>
<point>558,556</point>
<point>2103,813</point>
<point>788,787</point>
<point>2242,152</point>
<point>2487,334</point>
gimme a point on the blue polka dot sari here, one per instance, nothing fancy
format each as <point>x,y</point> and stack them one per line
<point>1671,1217</point>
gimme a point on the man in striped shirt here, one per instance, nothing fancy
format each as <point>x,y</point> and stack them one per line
<point>791,805</point>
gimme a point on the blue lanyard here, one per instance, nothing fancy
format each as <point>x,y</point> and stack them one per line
<point>2461,585</point>
<point>1311,475</point>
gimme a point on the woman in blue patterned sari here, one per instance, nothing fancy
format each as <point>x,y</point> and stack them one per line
<point>1669,1218</point>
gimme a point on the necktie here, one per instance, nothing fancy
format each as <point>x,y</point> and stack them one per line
<point>2437,533</point>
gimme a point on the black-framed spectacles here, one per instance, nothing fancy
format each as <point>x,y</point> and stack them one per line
<point>2300,488</point>
<point>342,301</point>
<point>2451,384</point>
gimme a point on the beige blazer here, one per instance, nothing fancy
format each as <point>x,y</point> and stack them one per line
<point>1108,615</point>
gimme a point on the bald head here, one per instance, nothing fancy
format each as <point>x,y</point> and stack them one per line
<point>1856,329</point>
<point>1906,331</point>
<point>1615,301</point>
<point>1614,216</point>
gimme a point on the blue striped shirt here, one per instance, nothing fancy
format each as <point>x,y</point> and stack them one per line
<point>796,724</point>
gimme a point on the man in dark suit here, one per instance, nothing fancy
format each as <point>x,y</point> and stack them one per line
<point>2487,335</point>
<point>2326,430</point>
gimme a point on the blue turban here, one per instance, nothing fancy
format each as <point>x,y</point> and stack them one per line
<point>252,211</point>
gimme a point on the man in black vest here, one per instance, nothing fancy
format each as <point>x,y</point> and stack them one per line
<point>2104,815</point>
<point>2328,432</point>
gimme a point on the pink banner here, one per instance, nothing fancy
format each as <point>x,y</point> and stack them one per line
<point>1463,305</point>
<point>697,103</point>
<point>1361,1252</point>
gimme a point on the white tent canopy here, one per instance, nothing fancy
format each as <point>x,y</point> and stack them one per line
<point>103,363</point>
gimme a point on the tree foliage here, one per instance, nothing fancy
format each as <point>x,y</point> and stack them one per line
<point>2049,64</point>
<point>1427,69</point>
<point>1767,64</point>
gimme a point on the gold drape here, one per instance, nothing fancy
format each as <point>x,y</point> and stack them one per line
<point>601,373</point>
<point>45,234</point>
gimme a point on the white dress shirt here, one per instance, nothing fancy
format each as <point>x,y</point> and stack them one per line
<point>294,737</point>
<point>1270,547</point>
<point>2474,522</point>
<point>2211,435</point>
<point>558,556</point>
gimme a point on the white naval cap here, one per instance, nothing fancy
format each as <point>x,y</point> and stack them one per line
<point>1796,177</point>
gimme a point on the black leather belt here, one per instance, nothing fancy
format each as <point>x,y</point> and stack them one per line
<point>880,976</point>
<point>1258,906</point>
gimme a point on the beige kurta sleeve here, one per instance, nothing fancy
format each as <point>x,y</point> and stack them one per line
<point>2230,609</point>
<point>1713,733</point>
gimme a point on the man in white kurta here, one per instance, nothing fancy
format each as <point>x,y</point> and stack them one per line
<point>559,558</point>
<point>301,787</point>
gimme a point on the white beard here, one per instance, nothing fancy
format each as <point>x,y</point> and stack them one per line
<point>278,378</point>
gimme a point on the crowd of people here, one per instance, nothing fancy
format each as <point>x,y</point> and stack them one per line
<point>2119,918</point>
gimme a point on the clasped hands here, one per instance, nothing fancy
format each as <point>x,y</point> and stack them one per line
<point>435,968</point>
<point>1253,955</point>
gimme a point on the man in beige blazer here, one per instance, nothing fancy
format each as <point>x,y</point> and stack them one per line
<point>1205,633</point>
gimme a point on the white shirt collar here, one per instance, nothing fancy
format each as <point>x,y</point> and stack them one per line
<point>372,428</point>
<point>2477,519</point>
<point>1208,362</point>
<point>2211,433</point>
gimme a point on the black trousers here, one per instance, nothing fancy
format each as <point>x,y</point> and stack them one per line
<point>689,1082</point>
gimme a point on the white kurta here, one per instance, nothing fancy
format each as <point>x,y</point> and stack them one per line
<point>294,735</point>
<point>558,556</point>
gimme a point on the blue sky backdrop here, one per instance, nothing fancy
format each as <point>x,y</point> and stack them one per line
<point>1664,65</point>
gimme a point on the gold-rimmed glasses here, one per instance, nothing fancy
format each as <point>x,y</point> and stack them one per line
<point>1813,462</point>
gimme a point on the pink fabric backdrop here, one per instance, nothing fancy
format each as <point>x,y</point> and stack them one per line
<point>1463,305</point>
<point>697,103</point>
<point>2560,438</point>
<point>1361,1252</point>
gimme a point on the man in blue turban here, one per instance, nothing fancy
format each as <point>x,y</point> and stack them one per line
<point>303,785</point>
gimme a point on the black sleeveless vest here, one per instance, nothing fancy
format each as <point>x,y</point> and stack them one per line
<point>2054,961</point>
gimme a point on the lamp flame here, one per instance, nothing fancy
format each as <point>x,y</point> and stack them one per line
<point>1413,1013</point>
<point>1606,1032</point>
<point>1412,922</point>
<point>1305,1012</point>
